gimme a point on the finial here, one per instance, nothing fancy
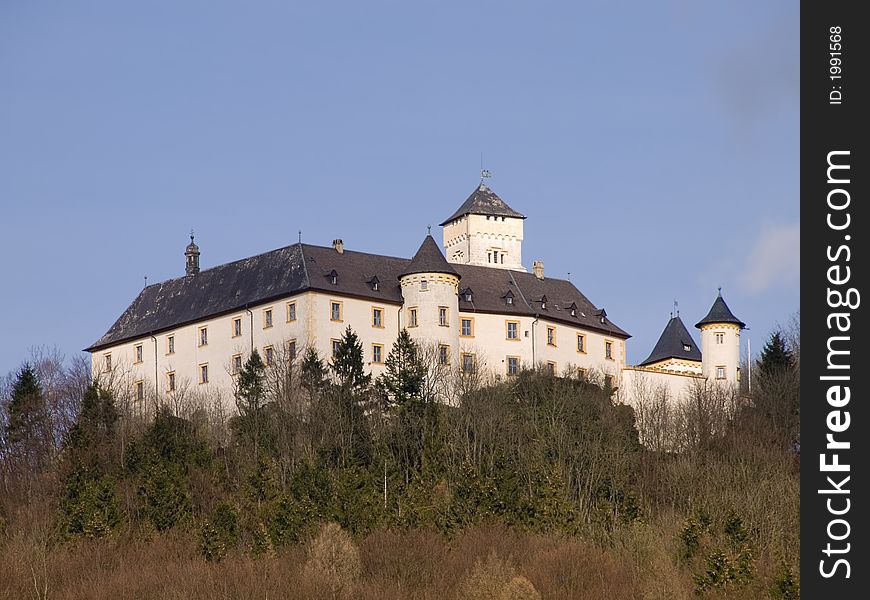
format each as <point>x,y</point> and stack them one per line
<point>146,281</point>
<point>720,291</point>
<point>569,275</point>
<point>300,236</point>
<point>676,312</point>
<point>428,230</point>
<point>191,235</point>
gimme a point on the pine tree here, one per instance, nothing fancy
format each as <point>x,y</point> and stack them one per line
<point>403,379</point>
<point>96,420</point>
<point>313,372</point>
<point>250,396</point>
<point>28,429</point>
<point>347,362</point>
<point>775,356</point>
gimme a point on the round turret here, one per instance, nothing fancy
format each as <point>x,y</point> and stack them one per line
<point>430,288</point>
<point>720,343</point>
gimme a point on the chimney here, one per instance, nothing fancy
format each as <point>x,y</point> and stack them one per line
<point>338,245</point>
<point>538,268</point>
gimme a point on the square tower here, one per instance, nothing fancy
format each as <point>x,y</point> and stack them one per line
<point>485,231</point>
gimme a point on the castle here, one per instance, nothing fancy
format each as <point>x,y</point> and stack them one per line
<point>475,304</point>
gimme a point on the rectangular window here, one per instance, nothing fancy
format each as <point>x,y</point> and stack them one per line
<point>203,336</point>
<point>720,372</point>
<point>443,320</point>
<point>467,329</point>
<point>551,368</point>
<point>467,363</point>
<point>581,343</point>
<point>513,330</point>
<point>237,327</point>
<point>107,362</point>
<point>203,373</point>
<point>236,364</point>
<point>268,355</point>
<point>291,311</point>
<point>138,353</point>
<point>377,353</point>
<point>170,381</point>
<point>267,318</point>
<point>335,346</point>
<point>412,317</point>
<point>291,349</point>
<point>720,338</point>
<point>443,355</point>
<point>608,350</point>
<point>140,390</point>
<point>424,285</point>
<point>377,316</point>
<point>170,344</point>
<point>335,311</point>
<point>513,365</point>
<point>551,336</point>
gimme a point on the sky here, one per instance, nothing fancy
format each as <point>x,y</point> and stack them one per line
<point>653,146</point>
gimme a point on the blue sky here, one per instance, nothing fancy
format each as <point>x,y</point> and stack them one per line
<point>652,145</point>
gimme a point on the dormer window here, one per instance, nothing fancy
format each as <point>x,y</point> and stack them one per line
<point>467,295</point>
<point>687,347</point>
<point>509,298</point>
<point>333,277</point>
<point>573,309</point>
<point>543,303</point>
<point>375,284</point>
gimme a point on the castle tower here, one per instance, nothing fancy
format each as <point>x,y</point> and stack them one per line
<point>675,350</point>
<point>720,342</point>
<point>430,288</point>
<point>191,256</point>
<point>485,231</point>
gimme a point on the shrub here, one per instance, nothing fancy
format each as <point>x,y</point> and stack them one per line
<point>519,588</point>
<point>487,579</point>
<point>334,559</point>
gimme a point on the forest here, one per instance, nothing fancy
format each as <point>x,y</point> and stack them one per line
<point>428,483</point>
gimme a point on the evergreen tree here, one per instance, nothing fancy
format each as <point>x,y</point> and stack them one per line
<point>402,382</point>
<point>250,397</point>
<point>96,421</point>
<point>28,430</point>
<point>775,356</point>
<point>313,372</point>
<point>347,362</point>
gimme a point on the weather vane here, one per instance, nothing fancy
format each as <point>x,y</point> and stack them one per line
<point>484,173</point>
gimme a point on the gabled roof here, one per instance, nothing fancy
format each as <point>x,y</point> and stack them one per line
<point>291,270</point>
<point>720,313</point>
<point>483,201</point>
<point>429,259</point>
<point>672,344</point>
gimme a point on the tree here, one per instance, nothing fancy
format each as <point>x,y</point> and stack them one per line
<point>403,380</point>
<point>27,423</point>
<point>250,396</point>
<point>347,362</point>
<point>775,356</point>
<point>313,372</point>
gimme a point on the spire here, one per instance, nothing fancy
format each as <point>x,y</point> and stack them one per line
<point>720,313</point>
<point>429,259</point>
<point>674,342</point>
<point>483,201</point>
<point>191,254</point>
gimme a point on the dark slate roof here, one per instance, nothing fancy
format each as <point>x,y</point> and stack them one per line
<point>672,344</point>
<point>294,269</point>
<point>483,201</point>
<point>429,259</point>
<point>720,313</point>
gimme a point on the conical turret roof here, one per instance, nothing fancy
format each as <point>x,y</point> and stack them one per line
<point>720,313</point>
<point>429,259</point>
<point>483,201</point>
<point>673,343</point>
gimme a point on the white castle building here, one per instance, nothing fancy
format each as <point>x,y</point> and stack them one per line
<point>478,306</point>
